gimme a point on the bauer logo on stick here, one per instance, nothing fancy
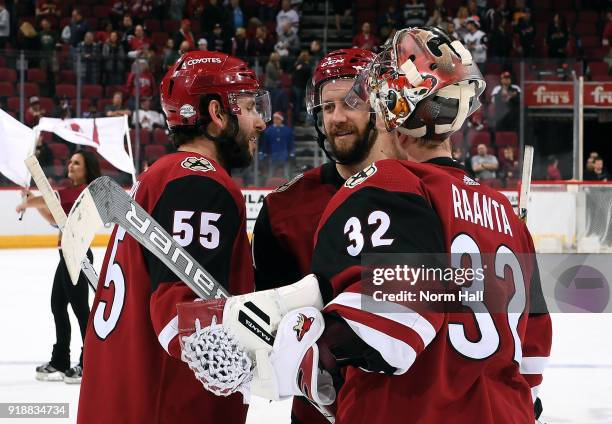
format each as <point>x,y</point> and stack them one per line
<point>198,164</point>
<point>303,325</point>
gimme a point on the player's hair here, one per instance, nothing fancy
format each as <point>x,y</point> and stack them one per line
<point>92,166</point>
<point>185,133</point>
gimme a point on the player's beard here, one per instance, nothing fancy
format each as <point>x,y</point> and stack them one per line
<point>236,149</point>
<point>351,151</point>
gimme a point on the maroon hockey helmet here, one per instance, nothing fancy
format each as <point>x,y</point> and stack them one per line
<point>199,73</point>
<point>339,64</point>
<point>424,83</point>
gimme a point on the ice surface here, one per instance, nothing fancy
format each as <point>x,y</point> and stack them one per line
<point>577,386</point>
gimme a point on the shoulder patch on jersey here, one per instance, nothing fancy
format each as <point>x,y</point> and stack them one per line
<point>361,176</point>
<point>197,164</point>
<point>468,181</point>
<point>288,184</point>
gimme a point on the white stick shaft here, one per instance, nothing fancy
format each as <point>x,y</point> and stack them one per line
<point>525,182</point>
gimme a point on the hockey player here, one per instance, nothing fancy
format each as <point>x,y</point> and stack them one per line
<point>285,227</point>
<point>216,112</point>
<point>473,361</point>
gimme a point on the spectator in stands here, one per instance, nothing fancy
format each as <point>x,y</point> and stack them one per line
<point>218,41</point>
<point>137,42</point>
<point>506,98</point>
<point>607,32</point>
<point>441,8</point>
<point>34,112</point>
<point>240,43</point>
<point>459,21</point>
<point>118,11</point>
<point>47,39</point>
<point>435,19</point>
<point>525,29</point>
<point>365,39</point>
<point>286,14</point>
<point>63,110</point>
<point>127,32</point>
<point>48,9</point>
<point>146,81</point>
<point>113,58</point>
<point>90,59</point>
<point>472,7</point>
<point>552,170</point>
<point>459,155</point>
<point>103,35</point>
<point>484,165</point>
<point>213,14</point>
<point>599,173</point>
<point>78,27</point>
<point>176,9</point>
<point>272,82</point>
<point>236,14</point>
<point>277,146</point>
<point>392,19</point>
<point>147,117</point>
<point>316,50</point>
<point>27,37</point>
<point>202,44</point>
<point>92,111</point>
<point>171,55</point>
<point>184,34</point>
<point>141,10</point>
<point>302,72</point>
<point>288,42</point>
<point>476,41</point>
<point>260,45</point>
<point>494,16</point>
<point>500,41</point>
<point>415,13</point>
<point>5,25</point>
<point>509,166</point>
<point>557,37</point>
<point>116,108</point>
<point>450,30</point>
<point>44,155</point>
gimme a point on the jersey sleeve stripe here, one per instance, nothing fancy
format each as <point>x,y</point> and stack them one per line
<point>169,332</point>
<point>534,392</point>
<point>403,315</point>
<point>396,353</point>
<point>533,364</point>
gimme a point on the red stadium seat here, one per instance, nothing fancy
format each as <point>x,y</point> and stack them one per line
<point>160,137</point>
<point>171,26</point>
<point>12,103</point>
<point>590,42</point>
<point>474,138</point>
<point>159,39</point>
<point>152,25</point>
<point>68,90</point>
<point>585,28</point>
<point>6,89</point>
<point>29,89</point>
<point>101,10</point>
<point>36,75</point>
<point>67,76</point>
<point>153,152</point>
<point>60,151</point>
<point>2,62</point>
<point>590,16</point>
<point>506,138</point>
<point>46,103</point>
<point>145,136</point>
<point>598,69</point>
<point>110,90</point>
<point>8,75</point>
<point>92,90</point>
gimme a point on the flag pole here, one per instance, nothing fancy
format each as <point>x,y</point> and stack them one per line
<point>129,143</point>
<point>29,179</point>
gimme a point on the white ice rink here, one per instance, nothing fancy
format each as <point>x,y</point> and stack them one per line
<point>577,386</point>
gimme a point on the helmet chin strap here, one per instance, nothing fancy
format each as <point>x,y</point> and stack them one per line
<point>321,137</point>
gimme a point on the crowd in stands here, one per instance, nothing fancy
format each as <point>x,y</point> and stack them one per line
<point>111,44</point>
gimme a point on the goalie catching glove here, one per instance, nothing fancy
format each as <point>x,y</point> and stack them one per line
<point>262,343</point>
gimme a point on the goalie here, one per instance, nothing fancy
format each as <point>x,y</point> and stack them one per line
<point>416,364</point>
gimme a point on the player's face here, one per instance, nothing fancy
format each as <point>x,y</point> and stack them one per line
<point>76,169</point>
<point>345,127</point>
<point>250,127</point>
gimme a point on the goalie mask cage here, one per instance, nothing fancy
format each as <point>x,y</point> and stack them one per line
<point>570,217</point>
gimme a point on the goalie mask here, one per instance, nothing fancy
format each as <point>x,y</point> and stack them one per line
<point>424,83</point>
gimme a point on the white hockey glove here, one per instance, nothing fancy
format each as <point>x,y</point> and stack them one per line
<point>222,340</point>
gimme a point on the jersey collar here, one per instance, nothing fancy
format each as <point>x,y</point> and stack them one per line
<point>330,175</point>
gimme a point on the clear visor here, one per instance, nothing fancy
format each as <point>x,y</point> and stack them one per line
<point>337,89</point>
<point>255,104</point>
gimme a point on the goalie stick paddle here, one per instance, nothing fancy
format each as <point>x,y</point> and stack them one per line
<point>39,177</point>
<point>105,202</point>
<point>525,183</point>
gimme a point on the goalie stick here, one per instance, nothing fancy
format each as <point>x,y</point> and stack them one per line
<point>525,183</point>
<point>58,215</point>
<point>105,202</point>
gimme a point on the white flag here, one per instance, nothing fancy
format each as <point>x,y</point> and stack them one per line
<point>16,144</point>
<point>104,134</point>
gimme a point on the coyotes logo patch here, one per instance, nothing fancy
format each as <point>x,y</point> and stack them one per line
<point>303,326</point>
<point>200,164</point>
<point>361,176</point>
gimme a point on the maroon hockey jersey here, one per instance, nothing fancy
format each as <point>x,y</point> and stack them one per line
<point>471,363</point>
<point>132,367</point>
<point>283,242</point>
